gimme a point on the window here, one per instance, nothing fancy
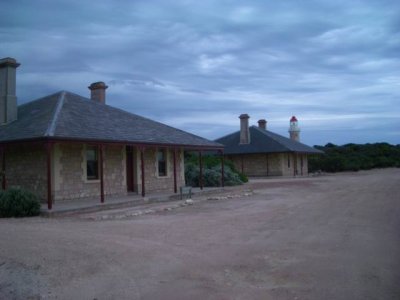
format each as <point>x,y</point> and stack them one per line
<point>288,161</point>
<point>92,163</point>
<point>162,162</point>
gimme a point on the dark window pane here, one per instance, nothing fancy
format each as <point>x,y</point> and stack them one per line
<point>92,163</point>
<point>162,164</point>
<point>161,168</point>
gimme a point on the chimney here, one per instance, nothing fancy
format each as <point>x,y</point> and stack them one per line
<point>8,98</point>
<point>244,129</point>
<point>262,124</point>
<point>98,92</point>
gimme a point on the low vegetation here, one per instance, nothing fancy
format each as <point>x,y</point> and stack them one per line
<point>18,203</point>
<point>354,157</point>
<point>211,171</point>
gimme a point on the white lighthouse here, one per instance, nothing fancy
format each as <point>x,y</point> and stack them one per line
<point>294,129</point>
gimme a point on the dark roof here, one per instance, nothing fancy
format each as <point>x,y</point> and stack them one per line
<point>65,115</point>
<point>263,141</point>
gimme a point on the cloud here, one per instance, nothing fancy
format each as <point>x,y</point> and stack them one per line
<point>198,65</point>
<point>208,64</point>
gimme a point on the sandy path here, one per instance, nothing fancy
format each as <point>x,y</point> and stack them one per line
<point>330,237</point>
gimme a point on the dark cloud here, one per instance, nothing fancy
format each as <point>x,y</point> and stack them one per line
<point>197,65</point>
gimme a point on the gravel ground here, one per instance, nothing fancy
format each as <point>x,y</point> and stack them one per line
<point>328,237</point>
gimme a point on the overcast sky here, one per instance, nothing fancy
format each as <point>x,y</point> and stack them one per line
<point>198,65</point>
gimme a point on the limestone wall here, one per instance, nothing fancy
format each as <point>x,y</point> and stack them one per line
<point>115,170</point>
<point>287,164</point>
<point>298,164</point>
<point>274,163</point>
<point>69,172</point>
<point>258,164</point>
<point>155,183</point>
<point>26,168</point>
<point>279,164</point>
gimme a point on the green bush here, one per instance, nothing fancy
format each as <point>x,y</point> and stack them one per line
<point>354,157</point>
<point>211,171</point>
<point>192,174</point>
<point>243,177</point>
<point>18,203</point>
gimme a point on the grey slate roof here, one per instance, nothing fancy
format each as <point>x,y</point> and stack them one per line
<point>263,141</point>
<point>65,115</point>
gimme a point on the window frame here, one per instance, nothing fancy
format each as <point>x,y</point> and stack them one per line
<point>96,163</point>
<point>164,162</point>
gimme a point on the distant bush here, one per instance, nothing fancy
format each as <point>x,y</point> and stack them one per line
<point>211,171</point>
<point>243,177</point>
<point>355,157</point>
<point>18,203</point>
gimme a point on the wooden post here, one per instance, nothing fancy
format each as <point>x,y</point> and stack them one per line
<point>3,168</point>
<point>101,171</point>
<point>175,180</point>
<point>267,164</point>
<point>201,183</point>
<point>301,163</point>
<point>49,147</point>
<point>222,168</point>
<point>142,170</point>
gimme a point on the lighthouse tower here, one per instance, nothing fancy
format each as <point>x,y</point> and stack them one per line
<point>294,130</point>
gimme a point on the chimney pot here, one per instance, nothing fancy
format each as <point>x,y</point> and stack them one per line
<point>244,129</point>
<point>98,92</point>
<point>262,124</point>
<point>8,98</point>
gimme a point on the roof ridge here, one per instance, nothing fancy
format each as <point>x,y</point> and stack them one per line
<point>273,136</point>
<point>270,134</point>
<point>52,126</point>
<point>40,98</point>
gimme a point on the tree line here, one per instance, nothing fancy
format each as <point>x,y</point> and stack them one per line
<point>355,157</point>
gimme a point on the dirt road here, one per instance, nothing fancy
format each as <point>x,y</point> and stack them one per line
<point>329,237</point>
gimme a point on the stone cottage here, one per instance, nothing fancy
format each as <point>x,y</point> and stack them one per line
<point>65,146</point>
<point>256,151</point>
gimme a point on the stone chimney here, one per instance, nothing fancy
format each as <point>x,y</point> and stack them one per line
<point>98,92</point>
<point>262,124</point>
<point>244,129</point>
<point>8,98</point>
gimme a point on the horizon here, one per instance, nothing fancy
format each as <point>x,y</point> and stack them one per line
<point>198,66</point>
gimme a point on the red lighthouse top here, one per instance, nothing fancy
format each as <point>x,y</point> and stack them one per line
<point>293,119</point>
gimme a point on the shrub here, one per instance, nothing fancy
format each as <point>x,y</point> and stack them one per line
<point>243,177</point>
<point>211,172</point>
<point>192,174</point>
<point>212,177</point>
<point>354,157</point>
<point>18,203</point>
